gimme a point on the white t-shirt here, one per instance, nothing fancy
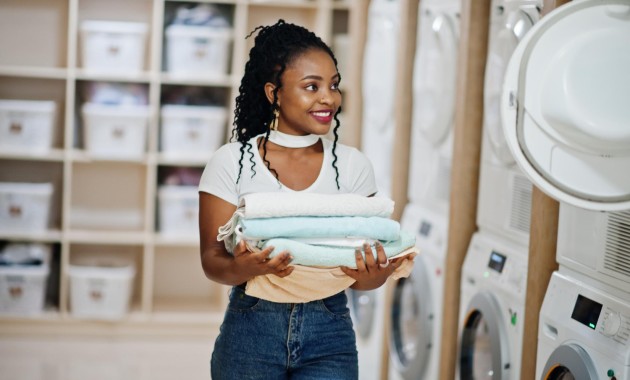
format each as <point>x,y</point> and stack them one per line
<point>219,177</point>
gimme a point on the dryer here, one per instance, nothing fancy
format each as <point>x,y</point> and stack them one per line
<point>416,310</point>
<point>434,80</point>
<point>595,243</point>
<point>367,309</point>
<point>564,105</point>
<point>504,202</point>
<point>379,72</point>
<point>584,330</point>
<point>492,306</point>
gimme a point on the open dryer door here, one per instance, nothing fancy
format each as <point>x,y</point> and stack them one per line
<point>565,106</point>
<point>517,21</point>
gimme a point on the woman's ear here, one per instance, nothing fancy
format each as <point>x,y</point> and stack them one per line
<point>269,88</point>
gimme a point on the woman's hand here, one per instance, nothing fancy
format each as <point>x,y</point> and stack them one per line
<point>371,273</point>
<point>250,264</point>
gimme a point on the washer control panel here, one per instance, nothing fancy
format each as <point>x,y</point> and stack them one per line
<point>615,325</point>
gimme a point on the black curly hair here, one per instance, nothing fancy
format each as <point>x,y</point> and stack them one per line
<point>274,48</point>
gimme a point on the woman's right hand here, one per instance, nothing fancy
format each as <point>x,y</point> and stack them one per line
<point>251,264</point>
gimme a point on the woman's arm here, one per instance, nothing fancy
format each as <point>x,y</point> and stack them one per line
<point>217,263</point>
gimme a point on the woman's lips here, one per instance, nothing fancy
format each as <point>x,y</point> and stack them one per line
<point>322,116</point>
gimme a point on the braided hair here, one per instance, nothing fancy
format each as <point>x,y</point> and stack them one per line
<point>275,47</point>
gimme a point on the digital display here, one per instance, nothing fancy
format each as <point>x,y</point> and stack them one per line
<point>497,261</point>
<point>586,311</point>
<point>425,228</point>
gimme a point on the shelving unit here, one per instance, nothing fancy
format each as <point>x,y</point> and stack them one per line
<point>40,59</point>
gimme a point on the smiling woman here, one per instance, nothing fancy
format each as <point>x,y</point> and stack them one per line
<point>288,99</point>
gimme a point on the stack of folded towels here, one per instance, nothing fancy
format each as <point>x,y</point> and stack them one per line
<point>321,232</point>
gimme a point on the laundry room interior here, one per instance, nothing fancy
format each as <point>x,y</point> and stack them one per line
<point>499,128</point>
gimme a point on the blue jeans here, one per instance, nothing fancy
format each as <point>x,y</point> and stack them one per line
<point>266,340</point>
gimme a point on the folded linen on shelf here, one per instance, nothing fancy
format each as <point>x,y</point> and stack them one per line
<point>307,284</point>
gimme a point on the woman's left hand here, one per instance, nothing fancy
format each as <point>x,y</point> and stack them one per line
<point>371,273</point>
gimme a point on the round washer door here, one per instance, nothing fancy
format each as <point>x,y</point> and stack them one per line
<point>362,309</point>
<point>484,351</point>
<point>412,323</point>
<point>564,105</point>
<point>517,24</point>
<point>569,361</point>
<point>435,75</point>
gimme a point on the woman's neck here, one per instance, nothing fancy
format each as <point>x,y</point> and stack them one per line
<point>292,141</point>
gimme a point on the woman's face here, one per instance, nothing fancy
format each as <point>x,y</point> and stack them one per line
<point>309,96</point>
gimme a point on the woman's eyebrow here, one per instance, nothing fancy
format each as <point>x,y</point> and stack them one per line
<point>317,77</point>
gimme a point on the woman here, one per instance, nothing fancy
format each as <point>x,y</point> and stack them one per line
<point>289,96</point>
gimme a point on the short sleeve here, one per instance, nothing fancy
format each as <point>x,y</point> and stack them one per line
<point>219,176</point>
<point>362,172</point>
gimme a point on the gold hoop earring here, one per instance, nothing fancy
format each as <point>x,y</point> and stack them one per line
<point>274,122</point>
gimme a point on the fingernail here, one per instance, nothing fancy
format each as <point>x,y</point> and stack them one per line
<point>357,251</point>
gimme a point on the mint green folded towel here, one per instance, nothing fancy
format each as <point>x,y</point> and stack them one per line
<point>317,255</point>
<point>377,228</point>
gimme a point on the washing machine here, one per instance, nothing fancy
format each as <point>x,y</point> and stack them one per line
<point>379,73</point>
<point>434,80</point>
<point>504,204</point>
<point>584,330</point>
<point>492,304</point>
<point>367,310</point>
<point>416,310</point>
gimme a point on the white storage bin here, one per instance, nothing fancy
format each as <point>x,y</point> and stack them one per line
<point>115,131</point>
<point>113,46</point>
<point>25,207</point>
<point>23,285</point>
<point>178,210</point>
<point>101,290</point>
<point>26,126</point>
<point>197,50</point>
<point>189,131</point>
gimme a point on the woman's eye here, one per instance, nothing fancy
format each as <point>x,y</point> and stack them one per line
<point>311,87</point>
<point>335,86</point>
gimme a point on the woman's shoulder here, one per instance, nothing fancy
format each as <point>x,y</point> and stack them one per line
<point>228,150</point>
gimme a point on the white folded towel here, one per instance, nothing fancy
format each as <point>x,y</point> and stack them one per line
<point>285,204</point>
<point>279,204</point>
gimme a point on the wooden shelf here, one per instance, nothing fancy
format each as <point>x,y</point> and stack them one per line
<point>53,155</point>
<point>33,72</point>
<point>222,81</point>
<point>106,237</point>
<point>80,155</point>
<point>176,241</point>
<point>313,4</point>
<point>142,77</point>
<point>93,194</point>
<point>50,236</point>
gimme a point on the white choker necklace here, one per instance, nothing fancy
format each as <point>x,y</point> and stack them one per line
<point>292,141</point>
